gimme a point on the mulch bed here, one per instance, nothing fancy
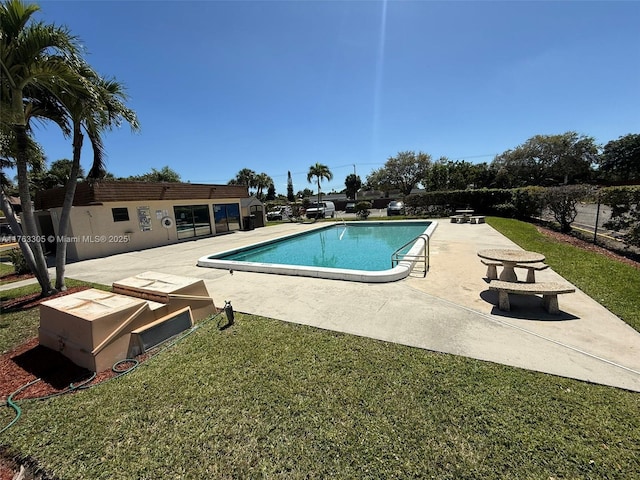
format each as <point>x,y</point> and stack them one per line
<point>57,374</point>
<point>577,242</point>
<point>31,361</point>
<point>15,277</point>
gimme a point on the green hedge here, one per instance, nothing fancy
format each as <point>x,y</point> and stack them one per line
<point>517,203</point>
<point>527,202</point>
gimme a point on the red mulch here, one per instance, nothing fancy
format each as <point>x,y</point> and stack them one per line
<point>30,361</point>
<point>14,277</point>
<point>577,242</point>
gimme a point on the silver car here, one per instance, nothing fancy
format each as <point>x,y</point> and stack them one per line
<point>395,208</point>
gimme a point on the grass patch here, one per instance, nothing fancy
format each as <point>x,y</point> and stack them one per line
<point>613,284</point>
<point>269,399</point>
<point>6,269</point>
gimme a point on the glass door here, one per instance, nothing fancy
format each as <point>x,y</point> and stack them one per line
<point>192,221</point>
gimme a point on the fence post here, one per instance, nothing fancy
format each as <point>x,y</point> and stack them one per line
<point>595,228</point>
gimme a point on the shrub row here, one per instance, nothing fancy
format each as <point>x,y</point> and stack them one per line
<point>529,202</point>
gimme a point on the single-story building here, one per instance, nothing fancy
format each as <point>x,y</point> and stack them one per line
<point>111,217</point>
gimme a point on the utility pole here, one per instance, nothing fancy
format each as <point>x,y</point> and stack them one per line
<point>355,194</point>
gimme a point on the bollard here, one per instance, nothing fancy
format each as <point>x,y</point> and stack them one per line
<point>228,311</point>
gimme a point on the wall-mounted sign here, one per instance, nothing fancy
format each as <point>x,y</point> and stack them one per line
<point>144,218</point>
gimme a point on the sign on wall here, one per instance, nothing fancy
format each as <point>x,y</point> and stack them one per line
<point>144,218</point>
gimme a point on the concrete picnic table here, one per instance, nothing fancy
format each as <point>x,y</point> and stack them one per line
<point>509,259</point>
<point>462,216</point>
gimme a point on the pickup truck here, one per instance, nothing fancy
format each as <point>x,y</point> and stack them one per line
<point>279,213</point>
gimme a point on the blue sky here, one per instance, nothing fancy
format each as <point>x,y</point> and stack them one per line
<point>278,86</point>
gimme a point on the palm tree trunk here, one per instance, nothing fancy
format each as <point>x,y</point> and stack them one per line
<point>28,219</point>
<point>65,214</point>
<point>318,210</point>
<point>17,230</point>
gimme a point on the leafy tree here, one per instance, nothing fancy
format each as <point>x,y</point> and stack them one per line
<point>165,174</point>
<point>404,172</point>
<point>35,61</point>
<point>562,202</point>
<point>445,174</point>
<point>546,160</point>
<point>352,184</point>
<point>271,193</point>
<point>306,193</point>
<point>290,196</point>
<point>60,171</point>
<point>319,172</point>
<point>56,175</point>
<point>620,159</point>
<point>437,175</point>
<point>625,212</point>
<point>379,180</point>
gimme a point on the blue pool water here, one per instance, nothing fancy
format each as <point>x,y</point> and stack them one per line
<point>364,246</point>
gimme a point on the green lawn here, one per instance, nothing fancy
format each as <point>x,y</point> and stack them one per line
<point>6,270</point>
<point>269,399</point>
<point>613,284</point>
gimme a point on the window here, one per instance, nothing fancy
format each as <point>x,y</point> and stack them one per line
<point>192,221</point>
<point>120,214</point>
<point>227,217</point>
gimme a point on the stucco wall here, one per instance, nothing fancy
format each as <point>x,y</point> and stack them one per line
<point>93,232</point>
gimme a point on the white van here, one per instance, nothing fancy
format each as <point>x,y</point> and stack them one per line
<point>321,210</point>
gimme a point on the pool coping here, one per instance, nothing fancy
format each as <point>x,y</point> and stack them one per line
<point>400,271</point>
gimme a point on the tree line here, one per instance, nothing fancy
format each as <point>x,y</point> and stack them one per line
<point>543,160</point>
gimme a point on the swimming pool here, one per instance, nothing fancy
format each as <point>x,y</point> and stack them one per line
<point>355,251</point>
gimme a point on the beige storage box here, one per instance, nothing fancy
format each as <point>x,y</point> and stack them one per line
<point>174,291</point>
<point>93,327</point>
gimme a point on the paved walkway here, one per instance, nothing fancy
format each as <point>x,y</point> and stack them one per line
<point>451,310</point>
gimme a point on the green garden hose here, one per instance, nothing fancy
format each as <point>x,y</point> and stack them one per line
<point>10,403</point>
<point>85,383</point>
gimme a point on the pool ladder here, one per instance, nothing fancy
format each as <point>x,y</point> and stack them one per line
<point>397,257</point>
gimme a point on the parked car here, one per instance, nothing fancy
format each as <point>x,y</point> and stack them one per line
<point>321,210</point>
<point>395,208</point>
<point>350,208</point>
<point>279,213</point>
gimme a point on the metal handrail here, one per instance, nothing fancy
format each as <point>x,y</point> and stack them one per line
<point>395,256</point>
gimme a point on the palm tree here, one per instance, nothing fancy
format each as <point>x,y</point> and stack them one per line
<point>34,61</point>
<point>246,177</point>
<point>262,181</point>
<point>97,107</point>
<point>319,171</point>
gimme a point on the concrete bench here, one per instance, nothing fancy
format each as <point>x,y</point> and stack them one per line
<point>548,290</point>
<point>477,219</point>
<point>492,272</point>
<point>458,218</point>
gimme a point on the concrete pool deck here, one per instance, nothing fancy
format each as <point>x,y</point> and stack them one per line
<point>451,310</point>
